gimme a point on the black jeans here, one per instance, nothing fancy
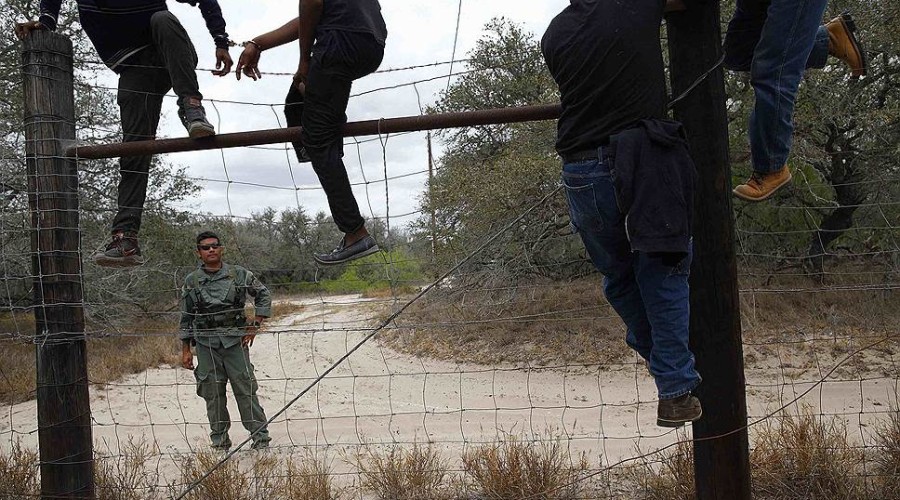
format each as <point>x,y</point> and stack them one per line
<point>338,58</point>
<point>170,62</point>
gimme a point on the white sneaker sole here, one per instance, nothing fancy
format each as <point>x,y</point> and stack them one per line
<point>197,131</point>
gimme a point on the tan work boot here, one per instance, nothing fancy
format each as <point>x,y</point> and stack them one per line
<point>761,186</point>
<point>842,43</point>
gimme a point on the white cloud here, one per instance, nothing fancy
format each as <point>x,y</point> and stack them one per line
<point>418,33</point>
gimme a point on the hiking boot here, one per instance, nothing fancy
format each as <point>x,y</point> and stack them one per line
<point>842,43</point>
<point>344,253</point>
<point>193,116</point>
<point>122,251</point>
<point>678,411</point>
<point>761,186</point>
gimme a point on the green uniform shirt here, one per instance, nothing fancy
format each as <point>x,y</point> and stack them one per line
<point>212,305</point>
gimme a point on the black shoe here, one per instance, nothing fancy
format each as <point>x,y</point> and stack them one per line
<point>678,411</point>
<point>193,117</point>
<point>122,251</point>
<point>342,253</point>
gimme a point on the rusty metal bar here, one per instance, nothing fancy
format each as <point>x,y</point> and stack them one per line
<point>279,135</point>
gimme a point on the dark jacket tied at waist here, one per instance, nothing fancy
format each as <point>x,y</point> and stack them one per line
<point>654,177</point>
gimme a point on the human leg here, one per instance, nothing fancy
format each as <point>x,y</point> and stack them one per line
<point>779,59</point>
<point>743,33</point>
<point>778,64</point>
<point>211,375</point>
<point>593,212</point>
<point>142,85</point>
<point>656,318</point>
<point>180,60</point>
<point>663,282</point>
<point>243,382</point>
<point>338,58</point>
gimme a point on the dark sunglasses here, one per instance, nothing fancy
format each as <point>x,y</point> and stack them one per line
<point>206,248</point>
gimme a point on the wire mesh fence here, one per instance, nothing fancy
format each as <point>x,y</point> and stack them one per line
<point>476,353</point>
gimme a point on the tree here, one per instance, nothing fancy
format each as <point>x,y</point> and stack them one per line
<point>489,175</point>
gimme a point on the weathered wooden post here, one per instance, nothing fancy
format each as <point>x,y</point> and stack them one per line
<point>63,407</point>
<point>721,450</point>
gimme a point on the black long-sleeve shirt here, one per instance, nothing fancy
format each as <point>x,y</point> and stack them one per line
<point>606,58</point>
<point>120,28</point>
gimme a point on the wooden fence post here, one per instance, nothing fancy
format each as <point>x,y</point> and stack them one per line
<point>721,450</point>
<point>63,405</point>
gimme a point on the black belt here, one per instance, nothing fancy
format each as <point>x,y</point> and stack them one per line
<point>587,154</point>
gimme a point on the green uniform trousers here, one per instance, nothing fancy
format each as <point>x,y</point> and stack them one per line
<point>215,367</point>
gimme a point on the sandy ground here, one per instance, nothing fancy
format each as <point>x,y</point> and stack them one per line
<point>379,396</point>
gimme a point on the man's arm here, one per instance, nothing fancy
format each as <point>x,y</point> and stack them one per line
<point>249,60</point>
<point>262,297</point>
<point>310,13</point>
<point>185,328</point>
<point>262,306</point>
<point>215,23</point>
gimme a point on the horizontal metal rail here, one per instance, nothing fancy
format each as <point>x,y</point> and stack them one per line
<point>355,129</point>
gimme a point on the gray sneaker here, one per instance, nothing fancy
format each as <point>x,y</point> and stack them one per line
<point>193,117</point>
<point>678,411</point>
<point>122,251</point>
<point>343,253</point>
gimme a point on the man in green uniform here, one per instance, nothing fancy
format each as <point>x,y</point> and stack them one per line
<point>212,318</point>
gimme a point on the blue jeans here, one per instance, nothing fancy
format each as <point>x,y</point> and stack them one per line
<point>775,41</point>
<point>648,291</point>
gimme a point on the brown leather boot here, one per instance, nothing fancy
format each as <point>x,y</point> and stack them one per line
<point>761,186</point>
<point>842,43</point>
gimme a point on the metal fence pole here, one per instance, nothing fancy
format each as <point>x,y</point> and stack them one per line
<point>63,405</point>
<point>721,451</point>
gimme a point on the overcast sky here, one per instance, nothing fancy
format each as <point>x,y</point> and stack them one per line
<point>418,33</point>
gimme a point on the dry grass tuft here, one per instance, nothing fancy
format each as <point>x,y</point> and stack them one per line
<point>19,474</point>
<point>550,323</point>
<point>403,474</point>
<point>227,482</point>
<point>286,307</point>
<point>125,476</point>
<point>886,480</point>
<point>310,479</point>
<point>805,457</point>
<point>261,475</point>
<point>672,478</point>
<point>515,468</point>
<point>812,308</point>
<point>109,358</point>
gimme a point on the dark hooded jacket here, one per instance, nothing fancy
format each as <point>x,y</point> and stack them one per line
<point>654,178</point>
